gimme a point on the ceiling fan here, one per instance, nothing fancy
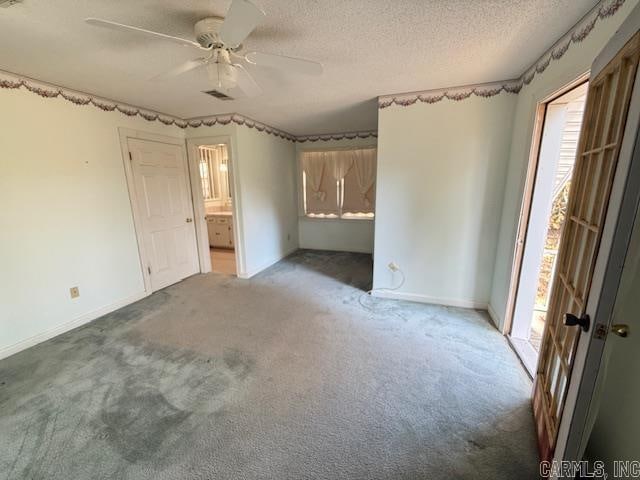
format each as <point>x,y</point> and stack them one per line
<point>220,41</point>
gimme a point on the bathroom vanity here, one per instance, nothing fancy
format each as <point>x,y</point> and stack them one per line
<point>220,228</point>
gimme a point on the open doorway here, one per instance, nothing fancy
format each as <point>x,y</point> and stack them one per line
<point>548,181</point>
<point>214,176</point>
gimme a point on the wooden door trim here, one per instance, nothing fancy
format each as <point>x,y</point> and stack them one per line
<point>198,202</point>
<point>525,214</point>
<point>202,239</point>
<point>125,134</point>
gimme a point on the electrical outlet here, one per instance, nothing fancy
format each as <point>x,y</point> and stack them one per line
<point>393,266</point>
<point>74,292</point>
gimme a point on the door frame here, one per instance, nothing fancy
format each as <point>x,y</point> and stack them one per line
<point>573,431</point>
<point>202,237</point>
<point>527,195</point>
<point>125,134</point>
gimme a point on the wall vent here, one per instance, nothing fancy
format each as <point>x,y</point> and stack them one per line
<point>217,94</point>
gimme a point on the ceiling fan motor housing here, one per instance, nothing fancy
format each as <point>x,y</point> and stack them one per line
<point>206,32</point>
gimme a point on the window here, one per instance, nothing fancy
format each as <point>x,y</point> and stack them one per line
<point>214,175</point>
<point>339,183</point>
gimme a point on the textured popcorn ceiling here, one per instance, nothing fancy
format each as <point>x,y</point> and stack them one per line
<point>368,48</point>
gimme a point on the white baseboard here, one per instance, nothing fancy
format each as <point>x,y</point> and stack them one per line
<point>416,297</point>
<point>347,250</point>
<point>65,327</point>
<point>250,273</point>
<point>494,317</point>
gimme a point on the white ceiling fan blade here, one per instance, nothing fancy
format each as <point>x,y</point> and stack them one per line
<point>245,82</point>
<point>242,17</point>
<point>285,63</point>
<point>98,22</point>
<point>180,69</point>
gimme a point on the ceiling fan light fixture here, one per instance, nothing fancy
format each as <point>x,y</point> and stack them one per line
<point>221,39</point>
<point>222,76</point>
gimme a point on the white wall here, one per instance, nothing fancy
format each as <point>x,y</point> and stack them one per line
<point>267,172</point>
<point>441,172</point>
<point>65,216</point>
<point>576,61</point>
<point>333,234</point>
<point>336,234</point>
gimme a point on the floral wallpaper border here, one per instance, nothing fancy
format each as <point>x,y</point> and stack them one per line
<point>457,94</point>
<point>337,136</point>
<point>226,119</point>
<point>603,10</point>
<point>11,81</point>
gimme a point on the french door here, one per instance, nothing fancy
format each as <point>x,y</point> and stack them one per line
<point>165,210</point>
<point>596,159</point>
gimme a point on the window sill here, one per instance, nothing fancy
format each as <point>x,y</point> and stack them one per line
<point>345,219</point>
<point>358,217</point>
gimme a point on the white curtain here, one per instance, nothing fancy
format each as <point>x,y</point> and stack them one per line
<point>314,166</point>
<point>339,163</point>
<point>364,162</point>
<point>321,190</point>
<point>325,173</point>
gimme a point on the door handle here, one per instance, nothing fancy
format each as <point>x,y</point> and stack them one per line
<point>189,220</point>
<point>583,322</point>
<point>620,329</point>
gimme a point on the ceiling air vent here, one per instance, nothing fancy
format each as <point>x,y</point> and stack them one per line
<point>217,94</point>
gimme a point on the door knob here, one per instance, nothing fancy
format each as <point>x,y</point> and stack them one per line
<point>583,322</point>
<point>189,220</point>
<point>620,329</point>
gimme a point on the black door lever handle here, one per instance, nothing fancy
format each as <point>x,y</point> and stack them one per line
<point>583,322</point>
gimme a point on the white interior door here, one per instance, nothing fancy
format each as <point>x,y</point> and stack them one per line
<point>165,211</point>
<point>616,434</point>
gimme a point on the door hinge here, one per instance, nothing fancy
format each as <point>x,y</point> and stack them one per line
<point>149,270</point>
<point>130,157</point>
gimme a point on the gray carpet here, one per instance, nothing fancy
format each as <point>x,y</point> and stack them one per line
<point>285,376</point>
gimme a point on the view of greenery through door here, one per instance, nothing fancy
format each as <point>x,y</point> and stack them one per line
<point>547,266</point>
